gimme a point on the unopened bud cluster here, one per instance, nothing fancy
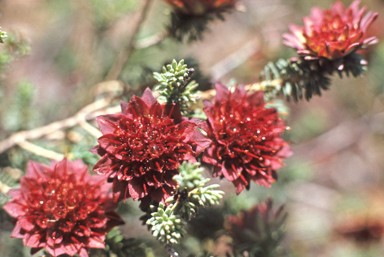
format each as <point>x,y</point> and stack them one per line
<point>166,227</point>
<point>174,83</point>
<point>190,176</point>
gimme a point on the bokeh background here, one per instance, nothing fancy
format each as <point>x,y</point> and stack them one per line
<point>333,185</point>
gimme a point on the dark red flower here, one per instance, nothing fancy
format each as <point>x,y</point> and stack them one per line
<point>62,208</point>
<point>332,33</point>
<point>142,147</point>
<point>246,142</point>
<point>257,228</point>
<point>200,7</point>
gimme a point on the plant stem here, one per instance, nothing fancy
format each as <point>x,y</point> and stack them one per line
<point>89,112</point>
<point>85,113</point>
<point>126,52</point>
<point>171,251</point>
<point>151,40</point>
<point>209,94</point>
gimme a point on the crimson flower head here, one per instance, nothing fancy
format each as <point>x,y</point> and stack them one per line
<point>333,33</point>
<point>246,143</point>
<point>200,7</point>
<point>62,208</point>
<point>143,146</point>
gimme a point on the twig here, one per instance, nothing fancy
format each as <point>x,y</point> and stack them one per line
<point>84,114</point>
<point>89,128</point>
<point>263,86</point>
<point>4,188</point>
<point>123,57</point>
<point>40,151</point>
<point>235,59</point>
<point>338,138</point>
<point>89,112</point>
<point>171,251</point>
<point>151,40</point>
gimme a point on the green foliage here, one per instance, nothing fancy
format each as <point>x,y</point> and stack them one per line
<point>108,11</point>
<point>192,194</point>
<point>175,86</point>
<point>190,28</point>
<point>3,36</point>
<point>119,246</point>
<point>19,114</point>
<point>17,45</point>
<point>167,223</point>
<point>297,79</point>
<point>300,78</point>
<point>79,146</point>
<point>351,64</point>
<point>206,196</point>
<point>8,179</point>
<point>5,58</point>
<point>187,204</point>
<point>81,151</point>
<point>190,176</point>
<point>166,226</point>
<point>259,231</point>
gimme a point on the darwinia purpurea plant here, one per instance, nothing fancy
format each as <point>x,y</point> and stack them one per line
<point>161,152</point>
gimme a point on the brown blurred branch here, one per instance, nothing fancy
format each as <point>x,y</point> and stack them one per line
<point>124,55</point>
<point>84,114</point>
<point>4,188</point>
<point>151,40</point>
<point>263,86</point>
<point>89,112</point>
<point>40,151</point>
<point>340,137</point>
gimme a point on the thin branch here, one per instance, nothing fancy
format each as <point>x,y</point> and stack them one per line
<point>89,112</point>
<point>151,40</point>
<point>171,251</point>
<point>40,151</point>
<point>235,59</point>
<point>263,86</point>
<point>84,114</point>
<point>4,188</point>
<point>123,57</point>
<point>89,128</point>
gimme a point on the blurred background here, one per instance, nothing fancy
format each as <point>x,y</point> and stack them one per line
<point>333,185</point>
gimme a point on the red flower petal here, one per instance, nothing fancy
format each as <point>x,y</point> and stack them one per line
<point>15,209</point>
<point>148,97</point>
<point>332,33</point>
<point>245,138</point>
<point>103,166</point>
<point>17,232</point>
<point>107,123</point>
<point>137,188</point>
<point>56,204</point>
<point>137,107</point>
<point>145,151</point>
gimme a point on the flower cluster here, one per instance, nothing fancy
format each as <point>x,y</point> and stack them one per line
<point>62,209</point>
<point>200,7</point>
<point>332,33</point>
<point>246,138</point>
<point>149,151</point>
<point>142,148</point>
<point>258,230</point>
